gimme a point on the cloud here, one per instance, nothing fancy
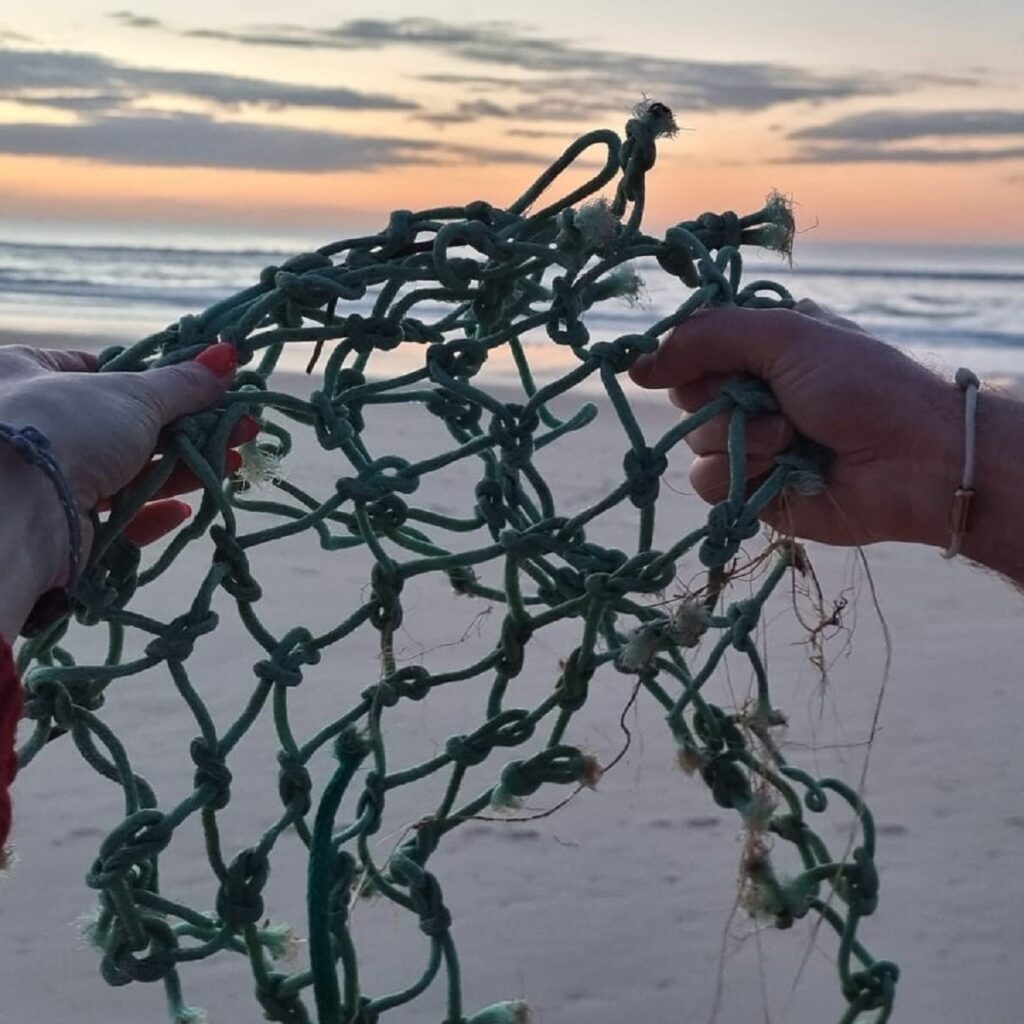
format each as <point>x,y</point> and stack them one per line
<point>132,20</point>
<point>196,141</point>
<point>898,125</point>
<point>192,140</point>
<point>35,75</point>
<point>573,71</point>
<point>78,103</point>
<point>471,81</point>
<point>539,133</point>
<point>902,154</point>
<point>467,111</point>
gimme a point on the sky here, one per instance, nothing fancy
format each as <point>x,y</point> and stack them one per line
<point>883,121</point>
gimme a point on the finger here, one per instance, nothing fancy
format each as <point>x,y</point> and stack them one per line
<point>826,315</point>
<point>174,391</point>
<point>181,481</point>
<point>155,520</point>
<point>66,360</point>
<point>697,393</point>
<point>709,474</point>
<point>766,435</point>
<point>245,430</point>
<point>730,341</point>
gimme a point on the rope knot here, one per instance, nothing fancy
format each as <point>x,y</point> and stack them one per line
<point>726,531</point>
<point>512,430</point>
<point>858,883</point>
<point>448,359</point>
<point>603,587</point>
<point>560,764</point>
<point>283,668</point>
<point>48,699</point>
<point>490,504</point>
<point>506,729</point>
<point>574,682</point>
<point>412,681</point>
<point>178,638</point>
<point>303,262</point>
<point>644,469</point>
<point>676,256</point>
<point>293,784</point>
<point>479,210</point>
<point>721,230</point>
<point>750,395</point>
<point>619,355</point>
<point>873,988</point>
<point>240,897</point>
<point>386,583</point>
<point>455,410</point>
<point>237,580</point>
<point>424,895</point>
<point>650,120</point>
<point>399,235</point>
<point>331,421</point>
<point>366,334</point>
<point>387,514</point>
<point>466,751</point>
<point>522,545</point>
<point>564,325</point>
<point>729,785</point>
<point>211,773</point>
<point>303,289</point>
<point>515,634</point>
<point>140,837</point>
<point>278,1003</point>
<point>370,806</point>
<point>743,617</point>
<point>121,964</point>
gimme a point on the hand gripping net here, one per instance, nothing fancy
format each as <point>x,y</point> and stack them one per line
<point>497,274</point>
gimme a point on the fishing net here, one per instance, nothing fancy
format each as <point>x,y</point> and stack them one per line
<point>456,285</point>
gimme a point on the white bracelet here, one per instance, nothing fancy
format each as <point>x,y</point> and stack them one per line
<point>963,497</point>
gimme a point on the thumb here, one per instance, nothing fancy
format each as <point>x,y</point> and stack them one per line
<point>193,386</point>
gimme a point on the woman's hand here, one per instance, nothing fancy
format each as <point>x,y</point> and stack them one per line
<point>103,429</point>
<point>895,428</point>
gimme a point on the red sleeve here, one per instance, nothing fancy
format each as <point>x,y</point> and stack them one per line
<point>11,700</point>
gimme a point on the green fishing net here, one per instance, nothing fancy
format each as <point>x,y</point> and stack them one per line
<point>454,285</point>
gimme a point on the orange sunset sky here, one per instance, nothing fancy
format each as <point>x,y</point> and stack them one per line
<point>884,122</point>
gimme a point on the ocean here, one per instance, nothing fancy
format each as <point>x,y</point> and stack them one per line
<point>952,305</point>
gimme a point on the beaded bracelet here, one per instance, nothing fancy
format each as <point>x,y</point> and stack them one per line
<point>963,498</point>
<point>34,447</point>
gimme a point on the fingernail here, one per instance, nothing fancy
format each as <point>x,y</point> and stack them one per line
<point>221,359</point>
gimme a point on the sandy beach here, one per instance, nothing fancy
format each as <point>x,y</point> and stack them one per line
<point>619,906</point>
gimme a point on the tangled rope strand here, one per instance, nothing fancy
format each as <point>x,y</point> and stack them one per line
<point>500,274</point>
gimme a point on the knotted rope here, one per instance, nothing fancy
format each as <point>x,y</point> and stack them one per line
<point>504,273</point>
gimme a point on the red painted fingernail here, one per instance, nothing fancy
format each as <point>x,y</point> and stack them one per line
<point>221,358</point>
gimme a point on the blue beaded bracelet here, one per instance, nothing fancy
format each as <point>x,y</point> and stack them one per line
<point>34,447</point>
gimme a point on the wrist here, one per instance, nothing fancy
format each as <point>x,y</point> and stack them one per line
<point>993,538</point>
<point>33,540</point>
<point>933,466</point>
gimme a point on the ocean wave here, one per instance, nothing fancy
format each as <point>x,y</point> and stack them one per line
<point>888,273</point>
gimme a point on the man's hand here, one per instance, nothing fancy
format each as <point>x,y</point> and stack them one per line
<point>895,428</point>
